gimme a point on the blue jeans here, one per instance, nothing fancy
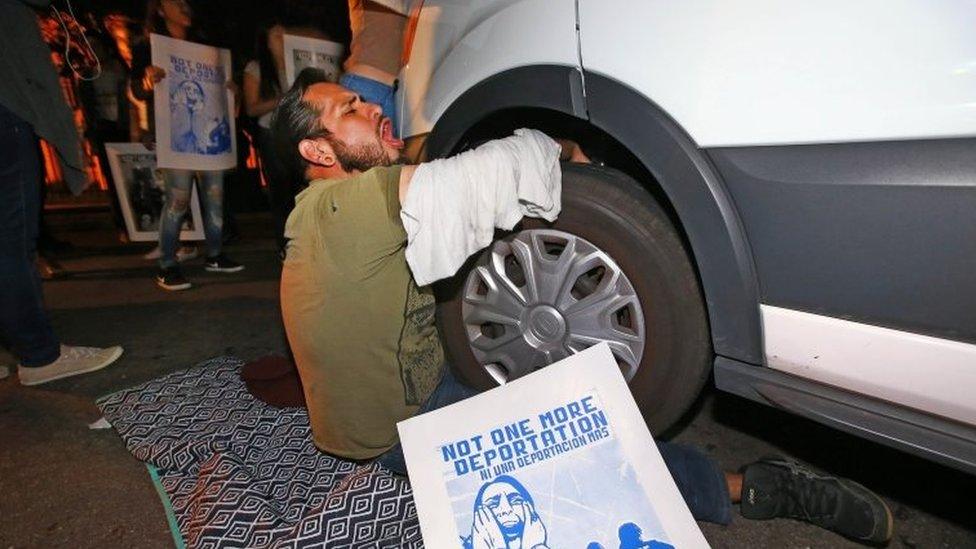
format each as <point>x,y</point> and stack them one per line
<point>178,192</point>
<point>700,481</point>
<point>24,326</point>
<point>371,91</point>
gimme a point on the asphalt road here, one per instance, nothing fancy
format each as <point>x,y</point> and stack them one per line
<point>63,485</point>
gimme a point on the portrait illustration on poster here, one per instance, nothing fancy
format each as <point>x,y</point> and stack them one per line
<point>193,106</point>
<point>140,188</point>
<point>558,458</point>
<point>302,52</point>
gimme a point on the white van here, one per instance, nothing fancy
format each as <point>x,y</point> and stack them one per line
<point>785,197</point>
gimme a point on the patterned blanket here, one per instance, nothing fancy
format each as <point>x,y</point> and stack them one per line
<point>240,473</point>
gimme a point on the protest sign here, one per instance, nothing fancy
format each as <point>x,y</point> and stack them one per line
<point>301,52</point>
<point>140,188</point>
<point>558,458</point>
<point>194,116</point>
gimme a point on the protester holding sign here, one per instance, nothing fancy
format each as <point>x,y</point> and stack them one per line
<point>264,81</point>
<point>362,330</point>
<point>375,52</point>
<point>198,131</point>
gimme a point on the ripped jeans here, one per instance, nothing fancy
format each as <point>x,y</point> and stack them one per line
<point>179,184</point>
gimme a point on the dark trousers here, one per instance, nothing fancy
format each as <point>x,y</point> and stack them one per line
<point>281,190</point>
<point>24,325</point>
<point>700,481</point>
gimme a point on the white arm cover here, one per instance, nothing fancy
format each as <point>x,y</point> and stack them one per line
<point>453,205</point>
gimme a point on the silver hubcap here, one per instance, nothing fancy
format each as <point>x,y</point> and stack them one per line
<point>541,295</point>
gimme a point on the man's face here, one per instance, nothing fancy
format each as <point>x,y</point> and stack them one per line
<point>194,98</point>
<point>362,138</point>
<point>505,502</point>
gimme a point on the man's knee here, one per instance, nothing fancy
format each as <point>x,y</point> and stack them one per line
<point>178,203</point>
<point>215,193</point>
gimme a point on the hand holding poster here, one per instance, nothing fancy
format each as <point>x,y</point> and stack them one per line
<point>194,117</point>
<point>558,458</point>
<point>301,52</point>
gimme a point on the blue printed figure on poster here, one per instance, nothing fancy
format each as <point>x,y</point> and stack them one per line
<point>199,112</point>
<point>505,518</point>
<point>630,538</point>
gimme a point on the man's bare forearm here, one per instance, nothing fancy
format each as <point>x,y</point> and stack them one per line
<point>572,151</point>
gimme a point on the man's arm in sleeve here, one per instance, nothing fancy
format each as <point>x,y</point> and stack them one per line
<point>571,151</point>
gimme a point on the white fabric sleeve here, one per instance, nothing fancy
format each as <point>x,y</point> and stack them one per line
<point>453,205</point>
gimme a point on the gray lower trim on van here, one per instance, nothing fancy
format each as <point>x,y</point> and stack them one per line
<point>934,438</point>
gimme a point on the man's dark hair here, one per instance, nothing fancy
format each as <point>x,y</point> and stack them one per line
<point>295,119</point>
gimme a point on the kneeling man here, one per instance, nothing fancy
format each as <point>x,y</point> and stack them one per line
<point>362,328</point>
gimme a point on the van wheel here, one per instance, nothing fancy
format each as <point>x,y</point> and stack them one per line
<point>611,268</point>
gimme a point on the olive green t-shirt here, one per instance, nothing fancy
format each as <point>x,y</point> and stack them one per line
<point>361,331</point>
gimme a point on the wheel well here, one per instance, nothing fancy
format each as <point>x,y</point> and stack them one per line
<point>601,147</point>
<point>623,128</point>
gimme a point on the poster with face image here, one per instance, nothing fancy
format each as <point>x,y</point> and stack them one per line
<point>302,52</point>
<point>558,458</point>
<point>141,189</point>
<point>193,106</point>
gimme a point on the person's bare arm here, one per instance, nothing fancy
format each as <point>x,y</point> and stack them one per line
<point>253,104</point>
<point>572,151</point>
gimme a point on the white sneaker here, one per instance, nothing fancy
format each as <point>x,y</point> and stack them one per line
<point>73,361</point>
<point>4,372</point>
<point>183,253</point>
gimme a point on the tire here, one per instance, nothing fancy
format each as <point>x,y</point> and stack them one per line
<point>611,211</point>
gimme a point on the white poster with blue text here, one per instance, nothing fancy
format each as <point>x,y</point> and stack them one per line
<point>194,106</point>
<point>560,458</point>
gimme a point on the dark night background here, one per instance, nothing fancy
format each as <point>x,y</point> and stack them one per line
<point>229,23</point>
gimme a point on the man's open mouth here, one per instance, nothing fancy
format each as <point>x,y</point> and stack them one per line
<point>386,134</point>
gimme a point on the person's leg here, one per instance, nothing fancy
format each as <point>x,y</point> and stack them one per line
<point>702,484</point>
<point>108,132</point>
<point>231,231</point>
<point>175,205</point>
<point>23,322</point>
<point>448,391</point>
<point>699,479</point>
<point>281,194</point>
<point>371,91</point>
<point>212,191</point>
<point>783,488</point>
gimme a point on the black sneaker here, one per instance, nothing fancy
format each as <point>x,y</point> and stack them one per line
<point>171,278</point>
<point>220,264</point>
<point>778,487</point>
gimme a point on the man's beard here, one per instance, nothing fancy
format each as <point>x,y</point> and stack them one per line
<point>359,158</point>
